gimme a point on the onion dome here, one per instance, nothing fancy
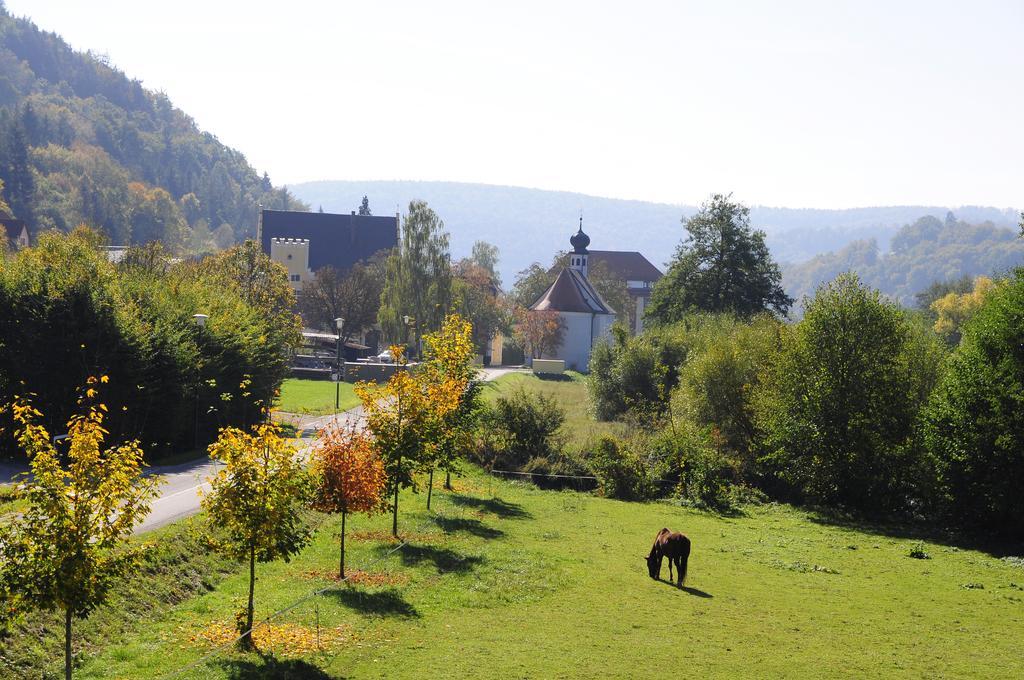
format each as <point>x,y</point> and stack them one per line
<point>579,240</point>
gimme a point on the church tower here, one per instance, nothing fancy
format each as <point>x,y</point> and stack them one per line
<point>578,256</point>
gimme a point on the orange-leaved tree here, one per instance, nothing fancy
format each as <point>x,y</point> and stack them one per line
<point>69,546</point>
<point>404,416</point>
<point>540,332</point>
<point>256,501</point>
<point>348,476</point>
<point>449,368</point>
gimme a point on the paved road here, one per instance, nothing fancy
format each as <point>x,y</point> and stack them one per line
<point>179,494</point>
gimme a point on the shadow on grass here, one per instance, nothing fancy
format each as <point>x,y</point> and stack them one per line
<point>270,667</point>
<point>495,506</point>
<point>444,560</point>
<point>962,539</point>
<point>378,603</point>
<point>450,525</point>
<point>553,377</point>
<point>696,592</point>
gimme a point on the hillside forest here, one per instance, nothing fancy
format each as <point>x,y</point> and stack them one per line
<point>82,143</point>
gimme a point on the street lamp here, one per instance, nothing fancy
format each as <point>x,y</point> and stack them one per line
<point>340,323</point>
<point>200,321</point>
<point>410,322</point>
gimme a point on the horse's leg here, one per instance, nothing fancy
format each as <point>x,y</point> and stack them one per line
<point>679,569</point>
<point>670,569</point>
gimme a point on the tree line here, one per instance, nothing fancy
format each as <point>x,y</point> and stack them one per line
<point>861,405</point>
<point>67,313</point>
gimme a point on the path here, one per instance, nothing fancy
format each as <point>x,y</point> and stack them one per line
<point>179,493</point>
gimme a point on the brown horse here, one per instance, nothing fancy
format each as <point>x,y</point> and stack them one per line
<point>673,545</point>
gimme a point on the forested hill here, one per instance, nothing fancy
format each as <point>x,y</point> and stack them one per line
<point>921,253</point>
<point>81,142</point>
<point>530,225</point>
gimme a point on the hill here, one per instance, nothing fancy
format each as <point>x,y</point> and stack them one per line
<point>529,225</point>
<point>82,142</point>
<point>921,253</point>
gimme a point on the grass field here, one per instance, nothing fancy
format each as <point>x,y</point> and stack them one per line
<point>504,580</point>
<point>314,397</point>
<point>580,429</point>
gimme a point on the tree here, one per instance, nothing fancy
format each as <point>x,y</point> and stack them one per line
<point>953,311</point>
<point>66,550</point>
<point>539,332</point>
<point>256,501</point>
<point>476,296</point>
<point>449,363</point>
<point>404,415</point>
<point>530,284</point>
<point>364,207</point>
<point>418,278</point>
<point>974,424</point>
<point>349,477</point>
<point>839,403</point>
<point>722,266</point>
<point>353,296</point>
<point>485,256</point>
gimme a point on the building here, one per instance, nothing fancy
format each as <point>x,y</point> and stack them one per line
<point>587,317</point>
<point>15,230</point>
<point>293,253</point>
<point>638,273</point>
<point>316,240</point>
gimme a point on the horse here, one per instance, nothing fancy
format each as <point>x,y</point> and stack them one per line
<point>673,545</point>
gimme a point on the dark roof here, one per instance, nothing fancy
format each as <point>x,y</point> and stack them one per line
<point>12,227</point>
<point>337,241</point>
<point>628,266</point>
<point>571,292</point>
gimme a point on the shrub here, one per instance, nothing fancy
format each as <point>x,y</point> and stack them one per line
<point>637,374</point>
<point>839,406</point>
<point>620,472</point>
<point>974,423</point>
<point>520,427</point>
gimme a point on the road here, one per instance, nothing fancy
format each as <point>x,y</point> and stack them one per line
<point>181,484</point>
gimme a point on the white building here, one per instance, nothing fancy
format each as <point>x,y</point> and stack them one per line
<point>587,317</point>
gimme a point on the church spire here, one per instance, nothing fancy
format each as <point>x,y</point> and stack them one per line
<point>579,242</point>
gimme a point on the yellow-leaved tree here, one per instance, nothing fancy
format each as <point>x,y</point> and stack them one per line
<point>349,477</point>
<point>256,502</point>
<point>449,365</point>
<point>404,416</point>
<point>954,310</point>
<point>70,545</point>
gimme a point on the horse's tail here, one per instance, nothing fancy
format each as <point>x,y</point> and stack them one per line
<point>684,558</point>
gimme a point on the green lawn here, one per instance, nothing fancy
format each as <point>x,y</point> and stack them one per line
<point>580,428</point>
<point>314,397</point>
<point>504,580</point>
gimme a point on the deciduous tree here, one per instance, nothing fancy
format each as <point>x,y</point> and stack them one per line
<point>418,280</point>
<point>349,477</point>
<point>255,501</point>
<point>722,266</point>
<point>69,546</point>
<point>539,332</point>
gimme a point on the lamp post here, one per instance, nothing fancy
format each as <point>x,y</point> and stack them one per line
<point>200,321</point>
<point>410,322</point>
<point>340,323</point>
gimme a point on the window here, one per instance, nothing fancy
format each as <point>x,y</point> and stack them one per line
<point>295,277</point>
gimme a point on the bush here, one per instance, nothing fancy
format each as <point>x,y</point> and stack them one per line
<point>637,374</point>
<point>840,405</point>
<point>974,423</point>
<point>620,472</point>
<point>519,427</point>
<point>717,383</point>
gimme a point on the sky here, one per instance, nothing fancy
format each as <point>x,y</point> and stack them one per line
<point>797,104</point>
